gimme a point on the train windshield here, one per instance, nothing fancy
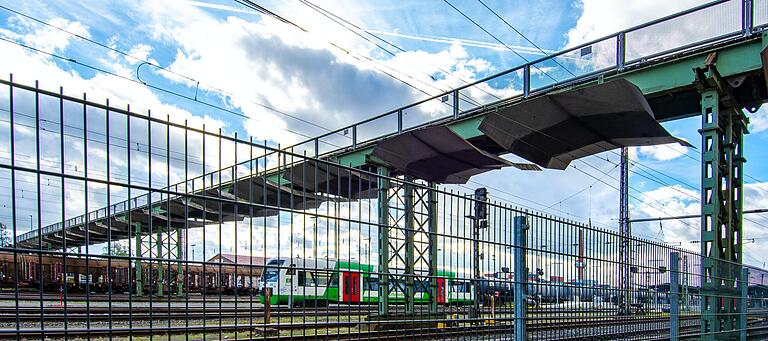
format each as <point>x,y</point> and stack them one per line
<point>272,272</point>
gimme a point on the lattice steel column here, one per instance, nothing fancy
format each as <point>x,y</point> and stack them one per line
<point>407,213</point>
<point>625,232</point>
<point>722,133</point>
<point>179,269</point>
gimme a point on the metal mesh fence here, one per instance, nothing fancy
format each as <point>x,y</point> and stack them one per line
<point>119,224</point>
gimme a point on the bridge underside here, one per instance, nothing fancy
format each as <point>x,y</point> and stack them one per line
<point>252,196</point>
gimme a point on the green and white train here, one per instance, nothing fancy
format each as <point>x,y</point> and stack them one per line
<point>311,282</point>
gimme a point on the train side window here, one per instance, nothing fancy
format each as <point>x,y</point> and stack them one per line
<point>321,279</point>
<point>459,286</point>
<point>303,278</point>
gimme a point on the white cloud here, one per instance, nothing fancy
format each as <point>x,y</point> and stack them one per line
<point>139,51</point>
<point>603,17</point>
<point>663,152</point>
<point>51,39</point>
<point>758,121</point>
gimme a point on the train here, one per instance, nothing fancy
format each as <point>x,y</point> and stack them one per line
<point>303,281</point>
<point>308,282</point>
<point>94,274</point>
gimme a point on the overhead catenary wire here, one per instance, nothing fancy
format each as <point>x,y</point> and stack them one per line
<point>523,36</point>
<point>342,21</point>
<point>692,216</point>
<point>145,84</point>
<point>376,64</point>
<point>498,40</point>
<point>161,89</point>
<point>164,69</point>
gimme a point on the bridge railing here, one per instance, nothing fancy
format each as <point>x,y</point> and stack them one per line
<point>715,22</point>
<point>619,52</point>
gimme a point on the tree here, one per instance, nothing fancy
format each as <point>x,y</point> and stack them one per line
<point>118,249</point>
<point>5,236</point>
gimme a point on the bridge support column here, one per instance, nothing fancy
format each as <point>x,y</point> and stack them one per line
<point>383,200</point>
<point>160,270</point>
<point>179,267</point>
<point>722,130</point>
<point>137,262</point>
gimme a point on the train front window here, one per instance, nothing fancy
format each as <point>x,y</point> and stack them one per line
<point>271,275</point>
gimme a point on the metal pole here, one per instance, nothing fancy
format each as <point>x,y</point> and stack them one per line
<point>521,278</point>
<point>674,296</point>
<point>383,201</point>
<point>625,232</point>
<point>455,104</point>
<point>410,291</point>
<point>179,269</point>
<point>139,278</point>
<point>160,272</point>
<point>685,283</point>
<point>432,210</point>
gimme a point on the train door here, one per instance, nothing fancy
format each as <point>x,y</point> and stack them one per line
<point>441,290</point>
<point>351,287</point>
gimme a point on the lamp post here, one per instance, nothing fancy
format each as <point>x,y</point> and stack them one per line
<point>193,250</point>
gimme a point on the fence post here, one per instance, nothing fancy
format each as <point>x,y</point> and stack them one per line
<point>621,50</point>
<point>744,303</point>
<point>674,296</point>
<point>455,104</point>
<point>747,16</point>
<point>383,211</point>
<point>526,80</point>
<point>521,278</point>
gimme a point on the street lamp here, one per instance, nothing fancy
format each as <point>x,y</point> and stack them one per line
<point>193,250</point>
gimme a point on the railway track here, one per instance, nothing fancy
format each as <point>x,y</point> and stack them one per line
<point>351,330</point>
<point>79,314</point>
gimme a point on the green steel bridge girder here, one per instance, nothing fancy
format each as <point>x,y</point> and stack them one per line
<point>659,79</point>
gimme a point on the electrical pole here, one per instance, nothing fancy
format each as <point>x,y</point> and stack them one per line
<point>625,233</point>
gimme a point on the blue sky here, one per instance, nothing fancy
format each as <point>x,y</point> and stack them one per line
<point>329,77</point>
